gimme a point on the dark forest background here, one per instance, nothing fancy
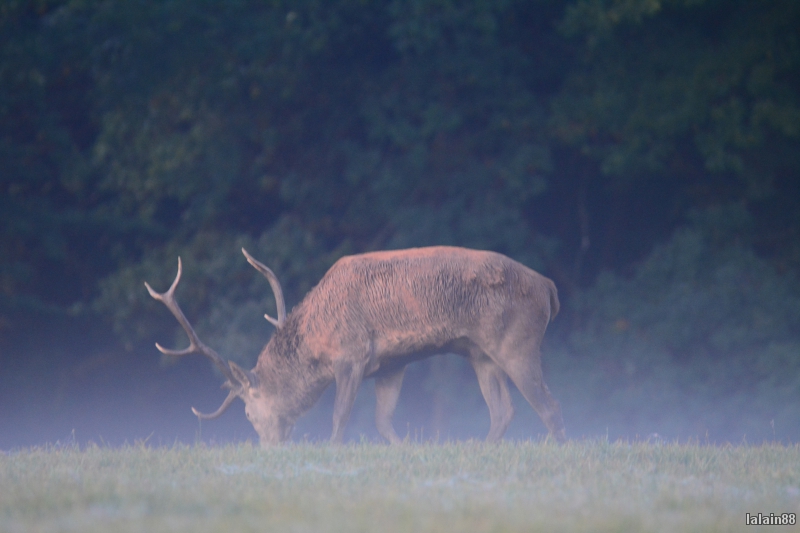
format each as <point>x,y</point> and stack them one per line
<point>644,154</point>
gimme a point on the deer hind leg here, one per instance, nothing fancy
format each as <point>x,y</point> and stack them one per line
<point>524,368</point>
<point>494,386</point>
<point>387,392</point>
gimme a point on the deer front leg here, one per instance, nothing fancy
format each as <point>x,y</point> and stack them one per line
<point>387,392</point>
<point>348,377</point>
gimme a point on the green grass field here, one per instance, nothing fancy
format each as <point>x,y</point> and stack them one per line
<point>467,486</point>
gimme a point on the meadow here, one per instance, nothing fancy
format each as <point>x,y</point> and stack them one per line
<point>457,486</point>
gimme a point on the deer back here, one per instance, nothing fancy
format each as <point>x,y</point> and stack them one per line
<point>419,298</point>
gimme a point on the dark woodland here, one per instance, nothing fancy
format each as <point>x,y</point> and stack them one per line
<point>643,154</point>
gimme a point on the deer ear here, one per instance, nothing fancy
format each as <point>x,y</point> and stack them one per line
<point>244,378</point>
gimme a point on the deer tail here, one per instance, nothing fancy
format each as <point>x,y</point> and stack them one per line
<point>555,306</point>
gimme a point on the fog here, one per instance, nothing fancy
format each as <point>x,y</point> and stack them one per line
<point>114,399</point>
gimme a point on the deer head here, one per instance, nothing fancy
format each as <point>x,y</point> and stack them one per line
<point>239,382</point>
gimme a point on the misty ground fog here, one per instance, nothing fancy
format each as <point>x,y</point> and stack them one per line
<point>114,399</point>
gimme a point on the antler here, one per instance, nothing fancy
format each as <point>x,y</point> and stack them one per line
<point>234,382</point>
<point>276,289</point>
<point>244,378</point>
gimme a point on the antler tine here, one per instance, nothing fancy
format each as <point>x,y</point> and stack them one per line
<point>276,289</point>
<point>195,344</point>
<point>232,395</point>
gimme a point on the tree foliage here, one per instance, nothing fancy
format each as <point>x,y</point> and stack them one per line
<point>718,78</point>
<point>571,135</point>
<point>702,295</point>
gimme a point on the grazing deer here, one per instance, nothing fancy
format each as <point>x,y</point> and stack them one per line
<point>374,313</point>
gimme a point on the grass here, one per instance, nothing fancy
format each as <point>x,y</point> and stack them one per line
<point>463,486</point>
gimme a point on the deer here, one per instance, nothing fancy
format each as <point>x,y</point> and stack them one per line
<point>370,316</point>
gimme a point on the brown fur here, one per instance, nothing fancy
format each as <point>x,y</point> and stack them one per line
<point>372,314</point>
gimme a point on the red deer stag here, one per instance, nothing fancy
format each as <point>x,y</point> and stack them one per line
<point>371,315</point>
